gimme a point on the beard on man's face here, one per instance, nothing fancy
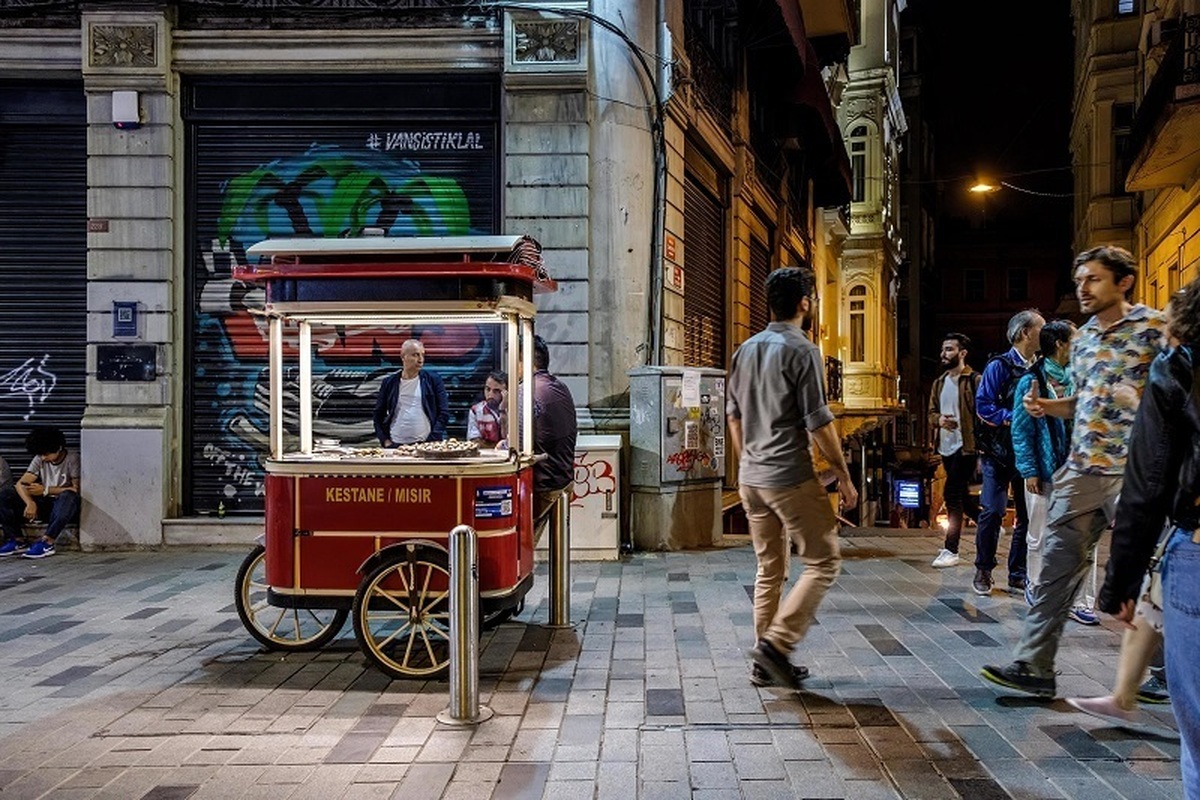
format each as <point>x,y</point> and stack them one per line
<point>950,362</point>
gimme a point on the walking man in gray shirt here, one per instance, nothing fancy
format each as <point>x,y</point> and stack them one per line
<point>775,404</point>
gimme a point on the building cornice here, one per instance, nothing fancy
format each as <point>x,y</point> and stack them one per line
<point>214,51</point>
<point>41,50</point>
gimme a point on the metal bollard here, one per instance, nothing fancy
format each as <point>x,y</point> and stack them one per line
<point>464,706</point>
<point>560,563</point>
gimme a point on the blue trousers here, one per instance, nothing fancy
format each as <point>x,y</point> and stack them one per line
<point>993,504</point>
<point>58,512</point>
<point>1181,635</point>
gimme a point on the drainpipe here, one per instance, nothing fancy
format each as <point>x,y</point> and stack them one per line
<point>662,90</point>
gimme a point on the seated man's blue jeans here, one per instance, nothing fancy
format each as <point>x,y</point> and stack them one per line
<point>58,511</point>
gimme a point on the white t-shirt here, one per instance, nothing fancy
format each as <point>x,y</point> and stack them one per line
<point>950,441</point>
<point>54,476</point>
<point>409,424</point>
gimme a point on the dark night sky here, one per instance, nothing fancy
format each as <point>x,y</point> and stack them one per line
<point>1000,75</point>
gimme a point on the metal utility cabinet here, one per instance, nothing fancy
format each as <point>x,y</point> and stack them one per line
<point>677,456</point>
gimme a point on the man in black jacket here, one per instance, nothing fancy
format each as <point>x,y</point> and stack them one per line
<point>412,405</point>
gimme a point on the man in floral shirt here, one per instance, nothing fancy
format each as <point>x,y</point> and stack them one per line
<point>1110,359</point>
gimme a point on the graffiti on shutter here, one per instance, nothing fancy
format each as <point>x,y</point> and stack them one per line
<point>253,182</point>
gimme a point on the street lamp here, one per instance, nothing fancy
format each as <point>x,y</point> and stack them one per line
<point>983,187</point>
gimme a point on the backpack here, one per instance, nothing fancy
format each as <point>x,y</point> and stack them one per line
<point>997,441</point>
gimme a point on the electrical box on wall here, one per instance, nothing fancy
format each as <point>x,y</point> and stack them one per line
<point>677,427</point>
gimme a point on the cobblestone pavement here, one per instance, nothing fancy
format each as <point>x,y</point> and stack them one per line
<point>129,675</point>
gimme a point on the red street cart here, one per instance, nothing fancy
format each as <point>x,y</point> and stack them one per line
<point>363,531</point>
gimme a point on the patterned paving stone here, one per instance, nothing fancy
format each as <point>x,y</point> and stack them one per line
<point>143,683</point>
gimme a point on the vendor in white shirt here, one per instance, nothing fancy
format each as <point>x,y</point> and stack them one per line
<point>487,420</point>
<point>412,405</point>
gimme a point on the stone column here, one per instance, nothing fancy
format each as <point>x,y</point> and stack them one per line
<point>623,213</point>
<point>547,192</point>
<point>128,428</point>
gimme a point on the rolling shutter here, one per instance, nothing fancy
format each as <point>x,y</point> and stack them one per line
<point>43,264</point>
<point>760,267</point>
<point>272,157</point>
<point>704,267</point>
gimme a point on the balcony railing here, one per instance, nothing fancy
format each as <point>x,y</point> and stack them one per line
<point>833,379</point>
<point>709,82</point>
<point>1180,68</point>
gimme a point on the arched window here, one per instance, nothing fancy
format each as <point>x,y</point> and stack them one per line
<point>858,323</point>
<point>858,161</point>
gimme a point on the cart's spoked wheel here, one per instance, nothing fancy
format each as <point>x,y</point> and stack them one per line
<point>402,614</point>
<point>276,627</point>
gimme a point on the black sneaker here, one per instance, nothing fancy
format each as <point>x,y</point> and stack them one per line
<point>759,676</point>
<point>1153,691</point>
<point>1019,676</point>
<point>982,583</point>
<point>775,664</point>
<point>1016,583</point>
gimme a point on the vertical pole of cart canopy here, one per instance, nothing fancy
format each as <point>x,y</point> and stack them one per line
<point>513,367</point>
<point>306,437</point>
<point>560,562</point>
<point>275,370</point>
<point>527,395</point>
<point>464,631</point>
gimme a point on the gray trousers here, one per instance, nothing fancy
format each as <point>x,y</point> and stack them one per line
<point>1081,509</point>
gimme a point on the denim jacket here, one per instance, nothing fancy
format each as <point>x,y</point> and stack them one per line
<point>1162,475</point>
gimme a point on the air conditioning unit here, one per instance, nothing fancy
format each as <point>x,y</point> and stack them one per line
<point>1161,31</point>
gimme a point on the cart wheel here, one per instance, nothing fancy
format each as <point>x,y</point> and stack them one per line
<point>277,627</point>
<point>402,614</point>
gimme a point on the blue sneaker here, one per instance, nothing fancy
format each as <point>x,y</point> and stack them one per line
<point>11,548</point>
<point>1029,594</point>
<point>1081,614</point>
<point>39,549</point>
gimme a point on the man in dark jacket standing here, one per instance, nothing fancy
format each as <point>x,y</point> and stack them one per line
<point>993,404</point>
<point>952,415</point>
<point>554,434</point>
<point>412,405</point>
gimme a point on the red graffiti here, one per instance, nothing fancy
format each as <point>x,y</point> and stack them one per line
<point>686,460</point>
<point>592,476</point>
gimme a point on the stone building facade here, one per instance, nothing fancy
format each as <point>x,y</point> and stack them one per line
<point>1136,137</point>
<point>664,167</point>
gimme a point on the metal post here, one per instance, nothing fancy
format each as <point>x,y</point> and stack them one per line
<point>560,563</point>
<point>464,631</point>
<point>306,427</point>
<point>275,371</point>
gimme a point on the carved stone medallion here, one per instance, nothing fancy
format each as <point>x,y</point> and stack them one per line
<point>122,46</point>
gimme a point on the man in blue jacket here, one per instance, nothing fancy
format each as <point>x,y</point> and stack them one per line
<point>413,405</point>
<point>993,405</point>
